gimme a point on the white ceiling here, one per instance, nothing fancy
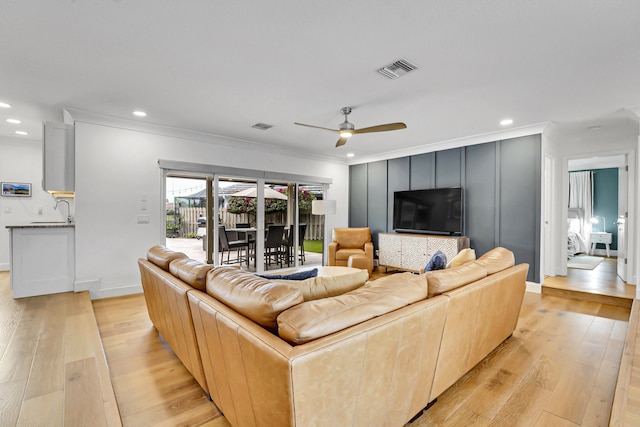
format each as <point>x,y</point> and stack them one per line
<point>221,66</point>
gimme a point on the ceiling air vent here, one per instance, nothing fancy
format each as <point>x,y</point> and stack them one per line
<point>262,126</point>
<point>397,69</point>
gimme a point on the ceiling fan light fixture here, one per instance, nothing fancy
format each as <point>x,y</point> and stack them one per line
<point>347,130</point>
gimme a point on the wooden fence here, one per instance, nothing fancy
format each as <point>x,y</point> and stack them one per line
<point>186,224</point>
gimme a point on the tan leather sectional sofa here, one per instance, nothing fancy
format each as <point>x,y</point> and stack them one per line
<point>372,356</point>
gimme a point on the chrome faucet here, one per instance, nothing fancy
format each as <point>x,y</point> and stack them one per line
<point>68,209</point>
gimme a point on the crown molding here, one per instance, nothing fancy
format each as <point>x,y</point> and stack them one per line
<point>455,143</point>
<point>72,115</point>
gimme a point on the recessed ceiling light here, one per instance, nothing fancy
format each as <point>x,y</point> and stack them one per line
<point>4,105</point>
<point>350,154</point>
<point>506,122</point>
<point>140,113</point>
<point>14,121</point>
<point>21,132</point>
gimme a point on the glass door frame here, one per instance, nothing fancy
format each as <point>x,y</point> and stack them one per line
<point>212,174</point>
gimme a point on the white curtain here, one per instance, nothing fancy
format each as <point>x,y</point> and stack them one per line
<point>581,196</point>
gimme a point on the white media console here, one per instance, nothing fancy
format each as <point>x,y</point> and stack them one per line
<point>411,252</point>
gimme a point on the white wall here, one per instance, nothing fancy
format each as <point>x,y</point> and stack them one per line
<point>21,161</point>
<point>116,167</point>
<point>573,142</point>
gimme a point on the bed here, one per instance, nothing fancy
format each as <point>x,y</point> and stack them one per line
<point>576,243</point>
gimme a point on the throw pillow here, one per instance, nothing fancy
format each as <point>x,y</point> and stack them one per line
<point>437,262</point>
<point>300,275</point>
<point>463,257</point>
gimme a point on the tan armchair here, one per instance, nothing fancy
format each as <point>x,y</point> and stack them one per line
<point>350,241</point>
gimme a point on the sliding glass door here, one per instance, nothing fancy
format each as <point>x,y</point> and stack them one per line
<point>252,223</point>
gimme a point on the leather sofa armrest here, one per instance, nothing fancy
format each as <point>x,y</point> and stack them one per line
<point>368,249</point>
<point>333,248</point>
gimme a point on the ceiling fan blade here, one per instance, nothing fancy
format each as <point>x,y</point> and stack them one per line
<point>341,141</point>
<point>317,127</point>
<point>381,128</point>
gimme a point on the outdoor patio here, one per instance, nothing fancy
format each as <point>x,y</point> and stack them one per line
<point>193,248</point>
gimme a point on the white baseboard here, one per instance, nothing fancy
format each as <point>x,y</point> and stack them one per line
<point>4,266</point>
<point>116,292</point>
<point>535,288</point>
<point>86,285</point>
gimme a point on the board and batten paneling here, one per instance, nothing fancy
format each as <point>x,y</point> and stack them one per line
<point>358,195</point>
<point>480,196</point>
<point>449,167</point>
<point>399,175</point>
<point>501,181</point>
<point>422,171</point>
<point>519,206</point>
<point>377,199</point>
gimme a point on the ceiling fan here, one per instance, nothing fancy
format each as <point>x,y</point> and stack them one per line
<point>347,129</point>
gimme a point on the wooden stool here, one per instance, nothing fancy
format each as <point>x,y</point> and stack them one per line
<point>360,261</point>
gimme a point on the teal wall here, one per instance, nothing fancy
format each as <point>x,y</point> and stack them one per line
<point>605,201</point>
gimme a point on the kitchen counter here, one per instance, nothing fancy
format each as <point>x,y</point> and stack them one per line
<point>43,224</point>
<point>42,258</point>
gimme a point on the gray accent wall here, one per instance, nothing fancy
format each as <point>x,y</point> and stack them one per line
<point>449,168</point>
<point>501,182</point>
<point>480,211</point>
<point>422,171</point>
<point>377,199</point>
<point>358,196</point>
<point>398,179</point>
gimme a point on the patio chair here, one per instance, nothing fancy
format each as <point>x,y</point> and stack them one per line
<point>273,248</point>
<point>287,242</point>
<point>227,245</point>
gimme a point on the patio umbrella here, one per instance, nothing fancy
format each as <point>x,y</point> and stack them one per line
<point>269,193</point>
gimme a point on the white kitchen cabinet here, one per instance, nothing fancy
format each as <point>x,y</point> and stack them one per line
<point>412,251</point>
<point>58,157</point>
<point>42,259</point>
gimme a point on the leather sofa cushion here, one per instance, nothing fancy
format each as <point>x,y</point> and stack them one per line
<point>328,286</point>
<point>352,238</point>
<point>314,319</point>
<point>190,271</point>
<point>254,297</point>
<point>497,259</point>
<point>344,254</point>
<point>162,256</point>
<point>441,281</point>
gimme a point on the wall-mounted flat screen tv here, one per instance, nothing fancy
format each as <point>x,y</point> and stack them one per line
<point>434,211</point>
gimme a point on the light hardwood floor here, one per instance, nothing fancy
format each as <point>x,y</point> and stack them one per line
<point>559,368</point>
<point>53,370</point>
<point>626,402</point>
<point>601,284</point>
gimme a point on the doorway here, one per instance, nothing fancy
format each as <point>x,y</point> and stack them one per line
<point>595,234</point>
